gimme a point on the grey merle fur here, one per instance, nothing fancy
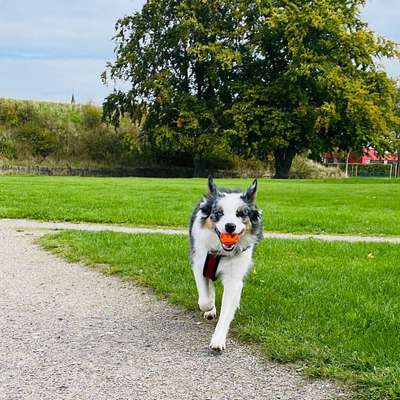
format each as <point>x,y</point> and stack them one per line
<point>210,201</point>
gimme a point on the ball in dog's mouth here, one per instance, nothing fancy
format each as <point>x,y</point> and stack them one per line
<point>228,240</point>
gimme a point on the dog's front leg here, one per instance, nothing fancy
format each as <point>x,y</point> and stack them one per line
<point>230,302</point>
<point>205,289</point>
<point>212,312</point>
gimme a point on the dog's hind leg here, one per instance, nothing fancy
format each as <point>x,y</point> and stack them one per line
<point>230,302</point>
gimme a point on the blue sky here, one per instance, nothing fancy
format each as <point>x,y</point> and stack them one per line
<point>49,48</point>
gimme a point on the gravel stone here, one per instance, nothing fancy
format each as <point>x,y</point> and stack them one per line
<point>70,332</point>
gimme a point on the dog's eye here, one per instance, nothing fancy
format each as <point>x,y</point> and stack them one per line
<point>217,214</point>
<point>242,212</point>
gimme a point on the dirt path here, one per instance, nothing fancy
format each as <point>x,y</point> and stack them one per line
<point>42,225</point>
<point>67,332</point>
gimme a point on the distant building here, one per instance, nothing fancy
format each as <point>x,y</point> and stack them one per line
<point>367,155</point>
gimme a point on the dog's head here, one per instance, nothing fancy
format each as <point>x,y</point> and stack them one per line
<point>232,214</point>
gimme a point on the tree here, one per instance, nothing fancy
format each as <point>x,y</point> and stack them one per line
<point>258,77</point>
<point>309,80</point>
<point>177,57</point>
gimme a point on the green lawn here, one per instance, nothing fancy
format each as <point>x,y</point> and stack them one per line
<point>333,307</point>
<point>363,206</point>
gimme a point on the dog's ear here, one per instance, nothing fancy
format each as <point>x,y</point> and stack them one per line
<point>250,195</point>
<point>212,188</point>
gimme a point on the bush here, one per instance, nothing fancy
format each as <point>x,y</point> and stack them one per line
<point>37,139</point>
<point>303,168</point>
<point>7,146</point>
<point>252,168</point>
<point>91,116</point>
<point>37,131</point>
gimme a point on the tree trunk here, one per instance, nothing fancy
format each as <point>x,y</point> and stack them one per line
<point>283,162</point>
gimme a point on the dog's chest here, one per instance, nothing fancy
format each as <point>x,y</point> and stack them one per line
<point>235,267</point>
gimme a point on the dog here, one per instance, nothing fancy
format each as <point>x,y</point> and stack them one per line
<point>225,227</point>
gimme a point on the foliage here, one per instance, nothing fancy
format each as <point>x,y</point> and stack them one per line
<point>7,145</point>
<point>39,131</point>
<point>257,77</point>
<point>62,134</point>
<point>253,168</point>
<point>303,168</point>
<point>311,81</point>
<point>36,138</point>
<point>179,72</point>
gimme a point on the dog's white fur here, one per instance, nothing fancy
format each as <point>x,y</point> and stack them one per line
<point>231,270</point>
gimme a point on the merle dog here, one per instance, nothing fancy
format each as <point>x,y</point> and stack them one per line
<point>221,213</point>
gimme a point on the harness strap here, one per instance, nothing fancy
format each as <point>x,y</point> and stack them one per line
<point>211,264</point>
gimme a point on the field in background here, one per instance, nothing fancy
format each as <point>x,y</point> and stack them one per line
<point>353,206</point>
<point>333,307</point>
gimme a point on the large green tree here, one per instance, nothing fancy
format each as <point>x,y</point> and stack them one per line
<point>260,77</point>
<point>310,80</point>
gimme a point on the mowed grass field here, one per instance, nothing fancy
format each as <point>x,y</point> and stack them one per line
<point>332,307</point>
<point>352,206</point>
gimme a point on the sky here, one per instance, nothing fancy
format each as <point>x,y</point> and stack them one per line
<point>52,48</point>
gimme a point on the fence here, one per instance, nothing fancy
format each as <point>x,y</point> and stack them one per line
<point>153,172</point>
<point>389,170</point>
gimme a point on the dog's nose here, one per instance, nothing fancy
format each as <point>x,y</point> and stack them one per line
<point>230,228</point>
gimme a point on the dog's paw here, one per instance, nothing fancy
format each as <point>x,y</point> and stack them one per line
<point>205,305</point>
<point>217,344</point>
<point>211,314</point>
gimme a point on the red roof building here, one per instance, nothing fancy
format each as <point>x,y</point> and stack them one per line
<point>367,155</point>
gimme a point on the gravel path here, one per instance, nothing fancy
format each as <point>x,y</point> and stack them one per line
<point>37,225</point>
<point>68,332</point>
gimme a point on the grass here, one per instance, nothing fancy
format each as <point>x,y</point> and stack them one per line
<point>333,307</point>
<point>353,206</point>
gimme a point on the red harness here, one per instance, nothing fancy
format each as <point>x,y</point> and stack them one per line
<point>211,264</point>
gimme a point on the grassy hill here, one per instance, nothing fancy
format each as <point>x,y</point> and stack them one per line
<point>60,132</point>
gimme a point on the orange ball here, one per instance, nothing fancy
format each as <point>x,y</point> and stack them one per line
<point>229,238</point>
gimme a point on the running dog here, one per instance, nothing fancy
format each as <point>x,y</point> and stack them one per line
<point>224,229</point>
